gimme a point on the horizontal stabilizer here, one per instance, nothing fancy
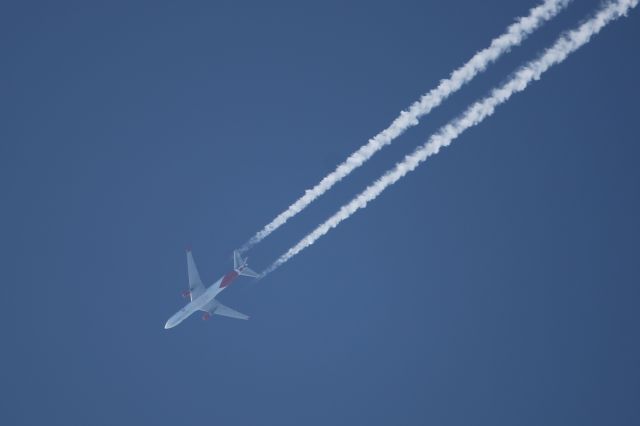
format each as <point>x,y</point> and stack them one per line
<point>241,267</point>
<point>238,261</point>
<point>248,272</point>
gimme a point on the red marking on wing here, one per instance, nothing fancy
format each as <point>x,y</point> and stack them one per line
<point>228,279</point>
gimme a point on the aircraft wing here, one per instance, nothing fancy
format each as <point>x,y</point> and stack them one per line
<point>217,308</point>
<point>196,288</point>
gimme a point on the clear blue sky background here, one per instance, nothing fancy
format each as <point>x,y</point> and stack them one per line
<point>496,285</point>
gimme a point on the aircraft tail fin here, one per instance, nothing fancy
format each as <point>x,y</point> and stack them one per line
<point>241,267</point>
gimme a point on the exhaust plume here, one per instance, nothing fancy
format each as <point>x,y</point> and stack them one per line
<point>514,35</point>
<point>565,45</point>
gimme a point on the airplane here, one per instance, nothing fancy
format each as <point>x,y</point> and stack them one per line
<point>204,299</point>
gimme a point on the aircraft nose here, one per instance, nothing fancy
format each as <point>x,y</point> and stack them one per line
<point>169,324</point>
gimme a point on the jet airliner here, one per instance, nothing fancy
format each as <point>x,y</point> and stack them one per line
<point>204,299</point>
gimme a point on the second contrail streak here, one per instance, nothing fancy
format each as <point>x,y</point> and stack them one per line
<point>514,35</point>
<point>557,53</point>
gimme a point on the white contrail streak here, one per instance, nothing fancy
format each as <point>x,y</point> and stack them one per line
<point>565,45</point>
<point>514,35</point>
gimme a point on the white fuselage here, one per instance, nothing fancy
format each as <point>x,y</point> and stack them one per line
<point>196,304</point>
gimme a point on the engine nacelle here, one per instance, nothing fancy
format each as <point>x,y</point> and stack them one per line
<point>206,316</point>
<point>186,294</point>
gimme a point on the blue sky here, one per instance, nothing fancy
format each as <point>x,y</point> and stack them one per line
<point>497,284</point>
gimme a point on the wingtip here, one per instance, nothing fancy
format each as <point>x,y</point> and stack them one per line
<point>188,248</point>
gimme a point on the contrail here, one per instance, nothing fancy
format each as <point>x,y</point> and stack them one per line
<point>514,35</point>
<point>566,44</point>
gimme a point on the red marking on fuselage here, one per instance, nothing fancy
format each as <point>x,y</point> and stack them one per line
<point>228,279</point>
